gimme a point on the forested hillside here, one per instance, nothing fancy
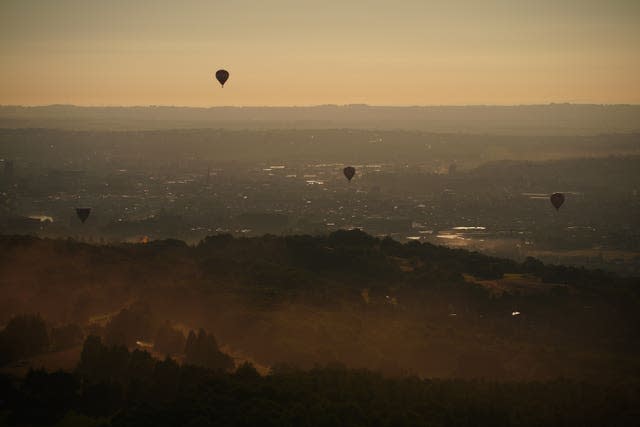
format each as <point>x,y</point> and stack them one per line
<point>345,297</point>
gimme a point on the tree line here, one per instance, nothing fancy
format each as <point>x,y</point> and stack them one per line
<point>113,386</point>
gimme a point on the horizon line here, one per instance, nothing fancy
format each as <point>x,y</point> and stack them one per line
<point>593,104</point>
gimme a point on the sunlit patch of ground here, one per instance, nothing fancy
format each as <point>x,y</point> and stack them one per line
<point>606,255</point>
<point>512,283</point>
<point>104,318</point>
<point>240,357</point>
<point>404,264</point>
<point>101,319</point>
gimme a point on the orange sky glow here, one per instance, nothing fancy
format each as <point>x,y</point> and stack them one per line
<point>285,52</point>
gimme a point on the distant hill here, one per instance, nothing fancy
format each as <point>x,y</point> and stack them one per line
<point>552,119</point>
<point>347,297</point>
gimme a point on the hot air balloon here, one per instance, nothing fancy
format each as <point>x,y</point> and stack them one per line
<point>222,76</point>
<point>83,213</point>
<point>557,199</point>
<point>349,172</point>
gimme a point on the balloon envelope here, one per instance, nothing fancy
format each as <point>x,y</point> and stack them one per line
<point>222,76</point>
<point>349,172</point>
<point>557,199</point>
<point>83,213</point>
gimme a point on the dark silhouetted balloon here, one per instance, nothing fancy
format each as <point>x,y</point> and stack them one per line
<point>557,199</point>
<point>222,76</point>
<point>349,172</point>
<point>83,213</point>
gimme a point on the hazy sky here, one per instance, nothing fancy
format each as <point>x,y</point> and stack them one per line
<point>307,52</point>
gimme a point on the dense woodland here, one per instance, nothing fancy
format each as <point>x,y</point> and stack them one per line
<point>238,286</point>
<point>408,334</point>
<point>114,387</point>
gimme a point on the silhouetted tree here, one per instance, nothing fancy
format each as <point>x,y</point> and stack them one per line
<point>24,336</point>
<point>202,350</point>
